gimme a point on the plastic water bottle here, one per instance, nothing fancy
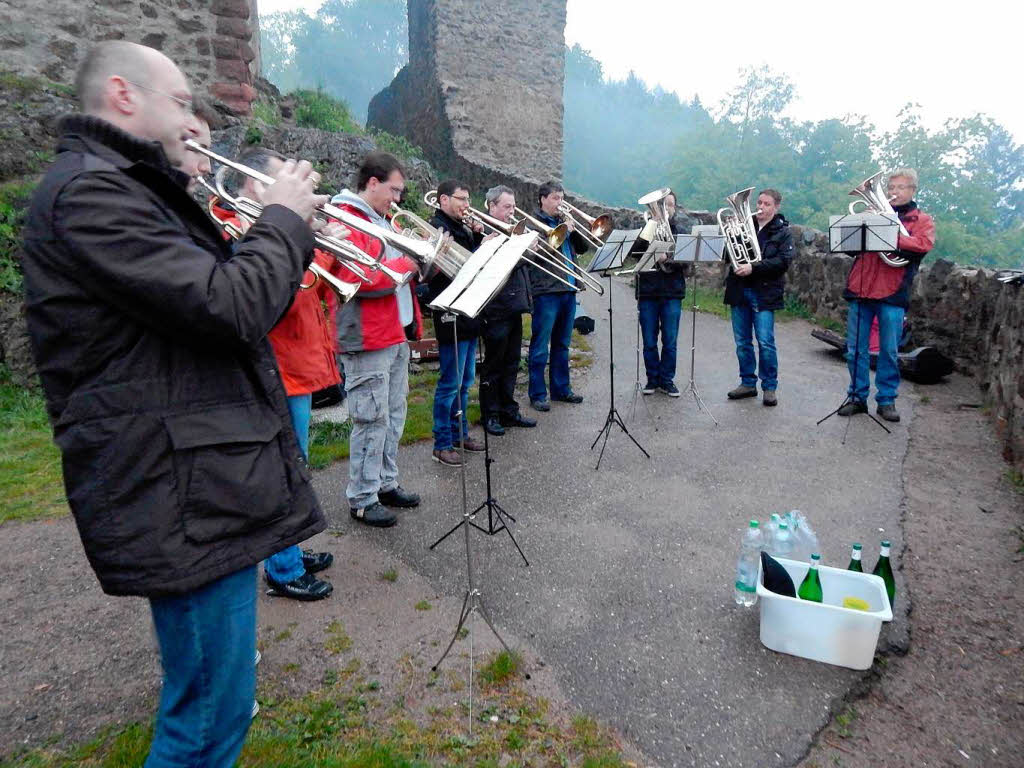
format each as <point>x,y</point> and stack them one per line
<point>746,566</point>
<point>782,542</point>
<point>772,526</point>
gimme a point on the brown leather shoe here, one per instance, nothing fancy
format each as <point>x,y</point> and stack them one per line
<point>449,458</point>
<point>473,445</point>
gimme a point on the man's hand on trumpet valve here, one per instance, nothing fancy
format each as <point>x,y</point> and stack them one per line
<point>333,229</point>
<point>293,188</point>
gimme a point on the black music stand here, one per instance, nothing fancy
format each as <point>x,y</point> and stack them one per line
<point>846,241</point>
<point>608,259</point>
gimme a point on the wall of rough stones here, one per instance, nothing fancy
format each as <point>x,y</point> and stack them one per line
<point>215,42</point>
<point>482,93</point>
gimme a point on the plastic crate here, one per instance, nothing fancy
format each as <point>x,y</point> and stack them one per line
<point>825,631</point>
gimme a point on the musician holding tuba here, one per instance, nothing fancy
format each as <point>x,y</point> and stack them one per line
<point>754,291</point>
<point>373,332</point>
<point>458,361</point>
<point>554,309</point>
<point>876,289</point>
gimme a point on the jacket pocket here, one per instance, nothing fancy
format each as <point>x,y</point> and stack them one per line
<point>230,470</point>
<point>366,397</point>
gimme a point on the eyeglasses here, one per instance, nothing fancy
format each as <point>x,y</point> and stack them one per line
<point>185,104</point>
<point>901,186</point>
<point>460,198</point>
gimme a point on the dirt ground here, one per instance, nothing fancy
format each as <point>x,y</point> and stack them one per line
<point>73,660</point>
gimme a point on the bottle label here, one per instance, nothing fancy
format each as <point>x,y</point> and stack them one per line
<point>744,587</point>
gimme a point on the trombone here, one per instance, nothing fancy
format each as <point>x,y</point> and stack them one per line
<point>518,228</point>
<point>594,229</point>
<point>421,251</point>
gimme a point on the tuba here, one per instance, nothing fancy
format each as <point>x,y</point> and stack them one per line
<point>737,225</point>
<point>870,194</point>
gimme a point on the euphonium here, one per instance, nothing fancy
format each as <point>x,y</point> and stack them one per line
<point>656,212</point>
<point>737,226</point>
<point>449,256</point>
<point>871,195</point>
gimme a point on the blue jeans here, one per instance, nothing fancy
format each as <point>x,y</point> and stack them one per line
<point>663,313</point>
<point>449,427</point>
<point>286,565</point>
<point>747,317</point>
<point>887,372</point>
<point>207,644</point>
<point>551,330</point>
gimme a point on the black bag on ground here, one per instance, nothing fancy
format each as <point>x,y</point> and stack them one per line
<point>776,578</point>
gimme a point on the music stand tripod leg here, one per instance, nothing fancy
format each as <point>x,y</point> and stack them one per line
<point>692,386</point>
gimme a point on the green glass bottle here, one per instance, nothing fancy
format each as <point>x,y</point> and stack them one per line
<point>855,560</point>
<point>883,568</point>
<point>810,587</point>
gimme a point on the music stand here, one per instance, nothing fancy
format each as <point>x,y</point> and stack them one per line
<point>608,258</point>
<point>847,243</point>
<point>704,244</point>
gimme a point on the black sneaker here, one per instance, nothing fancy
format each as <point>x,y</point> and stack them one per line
<point>650,388</point>
<point>375,514</point>
<point>541,405</point>
<point>888,412</point>
<point>853,407</point>
<point>398,497</point>
<point>572,397</point>
<point>306,588</point>
<point>670,390</point>
<point>493,426</point>
<point>517,420</point>
<point>316,561</point>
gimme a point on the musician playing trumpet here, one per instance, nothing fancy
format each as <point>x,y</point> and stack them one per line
<point>875,289</point>
<point>754,292</point>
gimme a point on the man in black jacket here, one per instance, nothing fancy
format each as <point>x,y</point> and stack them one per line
<point>754,291</point>
<point>554,308</point>
<point>501,328</point>
<point>458,362</point>
<point>659,301</point>
<point>180,464</point>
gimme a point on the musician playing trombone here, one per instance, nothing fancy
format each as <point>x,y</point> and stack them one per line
<point>754,292</point>
<point>373,333</point>
<point>876,289</point>
<point>554,309</point>
<point>458,362</point>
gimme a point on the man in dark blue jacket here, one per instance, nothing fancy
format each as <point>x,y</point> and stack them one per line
<point>180,463</point>
<point>754,291</point>
<point>554,308</point>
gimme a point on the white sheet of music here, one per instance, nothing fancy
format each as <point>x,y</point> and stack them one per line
<point>467,274</point>
<point>493,275</point>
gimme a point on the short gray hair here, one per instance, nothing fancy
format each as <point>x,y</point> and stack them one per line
<point>495,192</point>
<point>103,61</point>
<point>906,173</point>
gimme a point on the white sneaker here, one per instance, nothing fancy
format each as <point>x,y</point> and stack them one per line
<point>255,709</point>
<point>259,656</point>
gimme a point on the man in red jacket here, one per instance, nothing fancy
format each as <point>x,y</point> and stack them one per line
<point>876,289</point>
<point>373,332</point>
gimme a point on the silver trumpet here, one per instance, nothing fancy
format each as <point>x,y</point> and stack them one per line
<point>873,197</point>
<point>539,257</point>
<point>420,251</point>
<point>737,225</point>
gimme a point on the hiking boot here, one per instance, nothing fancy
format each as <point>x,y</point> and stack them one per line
<point>374,514</point>
<point>741,392</point>
<point>670,390</point>
<point>492,426</point>
<point>888,412</point>
<point>314,562</point>
<point>650,388</point>
<point>541,405</point>
<point>769,398</point>
<point>306,588</point>
<point>449,457</point>
<point>853,407</point>
<point>473,445</point>
<point>398,497</point>
<point>572,397</point>
<point>517,420</point>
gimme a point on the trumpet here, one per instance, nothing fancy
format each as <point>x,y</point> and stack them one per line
<point>508,229</point>
<point>421,251</point>
<point>737,226</point>
<point>871,195</point>
<point>594,229</point>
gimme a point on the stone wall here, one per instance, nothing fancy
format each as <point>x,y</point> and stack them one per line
<point>482,94</point>
<point>215,42</point>
<point>964,312</point>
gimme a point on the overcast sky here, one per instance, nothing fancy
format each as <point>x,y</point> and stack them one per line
<point>954,58</point>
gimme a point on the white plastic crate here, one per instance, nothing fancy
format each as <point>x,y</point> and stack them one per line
<point>825,631</point>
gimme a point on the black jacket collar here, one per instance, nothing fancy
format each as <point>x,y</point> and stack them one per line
<point>95,136</point>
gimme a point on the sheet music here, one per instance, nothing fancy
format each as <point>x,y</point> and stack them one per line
<point>494,274</point>
<point>467,273</point>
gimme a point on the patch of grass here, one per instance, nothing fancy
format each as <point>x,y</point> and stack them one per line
<point>31,484</point>
<point>317,109</point>
<point>423,605</point>
<point>328,442</point>
<point>12,81</point>
<point>338,640</point>
<point>709,300</point>
<point>253,134</point>
<point>500,668</point>
<point>1016,478</point>
<point>267,112</point>
<point>14,198</point>
<point>843,722</point>
<point>924,399</point>
<point>389,575</point>
<point>399,146</point>
<point>283,635</point>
